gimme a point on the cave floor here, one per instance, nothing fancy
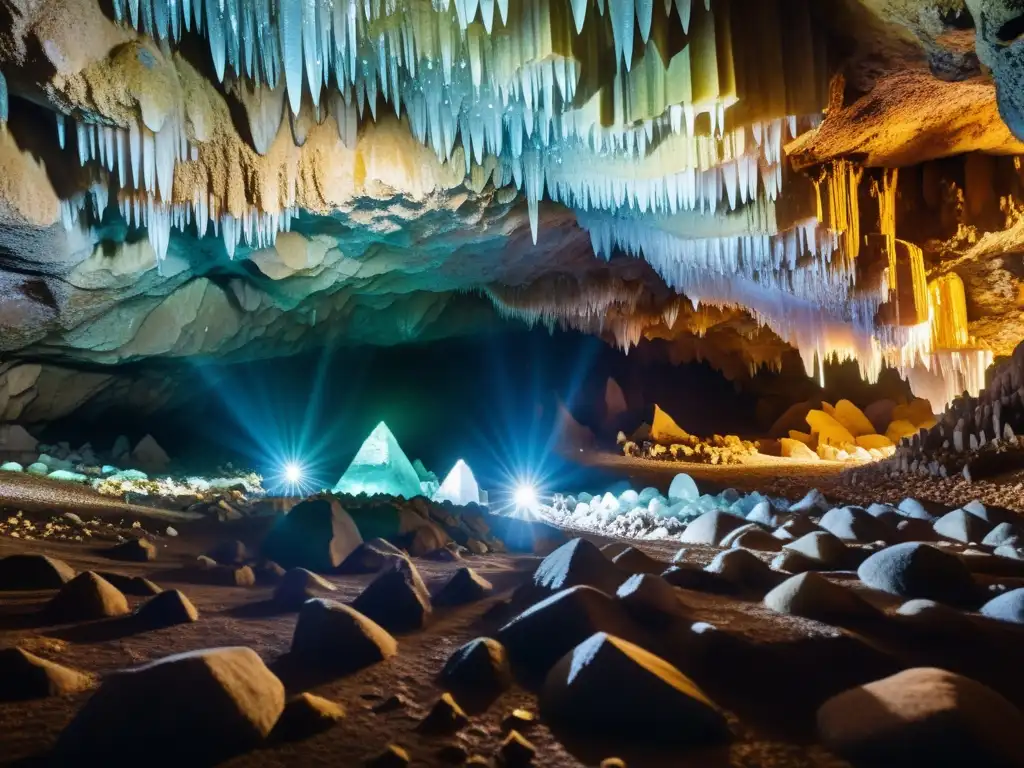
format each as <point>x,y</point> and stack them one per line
<point>768,671</point>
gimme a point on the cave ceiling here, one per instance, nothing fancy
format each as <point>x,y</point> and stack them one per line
<point>749,181</point>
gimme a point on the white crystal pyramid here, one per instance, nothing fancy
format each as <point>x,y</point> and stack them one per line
<point>459,487</point>
<point>380,468</point>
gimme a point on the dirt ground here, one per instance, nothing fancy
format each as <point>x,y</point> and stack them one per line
<point>768,671</point>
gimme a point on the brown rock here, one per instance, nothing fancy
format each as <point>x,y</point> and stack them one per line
<point>299,585</point>
<point>87,597</point>
<point>393,756</point>
<point>131,585</point>
<point>26,676</point>
<point>516,750</point>
<point>134,550</point>
<point>397,599</point>
<point>479,667</point>
<point>464,586</point>
<point>446,716</point>
<point>196,707</point>
<point>339,639</point>
<point>306,715</point>
<point>34,572</point>
<point>167,609</point>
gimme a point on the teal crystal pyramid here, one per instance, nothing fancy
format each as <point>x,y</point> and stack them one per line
<point>380,468</point>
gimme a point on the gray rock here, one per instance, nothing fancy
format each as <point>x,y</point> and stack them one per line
<point>576,563</point>
<point>854,524</point>
<point>812,596</point>
<point>745,570</point>
<point>915,570</point>
<point>1003,534</point>
<point>822,548</point>
<point>960,525</point>
<point>1006,607</point>
<point>710,528</point>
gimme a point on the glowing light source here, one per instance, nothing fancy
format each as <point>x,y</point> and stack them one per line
<point>525,496</point>
<point>293,473</point>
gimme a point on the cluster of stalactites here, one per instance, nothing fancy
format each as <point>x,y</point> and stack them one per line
<point>538,92</point>
<point>3,99</point>
<point>589,307</point>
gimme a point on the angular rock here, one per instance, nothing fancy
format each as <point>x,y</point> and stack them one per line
<point>445,717</point>
<point>576,563</point>
<point>756,539</point>
<point>633,560</point>
<point>464,586</point>
<point>1004,534</point>
<point>915,570</point>
<point>1010,552</point>
<point>268,572</point>
<point>397,599</point>
<point>516,750</point>
<point>306,715</point>
<point>150,456</point>
<point>481,667</point>
<point>538,637</point>
<point>796,449</point>
<point>167,609</point>
<point>854,524</point>
<point>131,585</point>
<point>650,599</point>
<point>231,552</point>
<point>24,675</point>
<point>812,503</point>
<point>913,529</point>
<point>28,572</point>
<point>794,528</point>
<point>134,550</point>
<point>936,619</point>
<point>710,528</point>
<point>763,514</point>
<point>613,548</point>
<point>692,576</point>
<point>745,570</point>
<point>793,562</point>
<point>853,419</point>
<point>371,557</point>
<point>299,585</point>
<point>610,688</point>
<point>317,534</point>
<point>814,597</point>
<point>444,555</point>
<point>824,549</point>
<point>916,509</point>
<point>923,717</point>
<point>393,756</point>
<point>339,639</point>
<point>960,525</point>
<point>1008,606</point>
<point>87,597</point>
<point>196,707</point>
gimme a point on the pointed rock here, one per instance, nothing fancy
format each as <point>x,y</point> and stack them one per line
<point>26,676</point>
<point>745,570</point>
<point>299,585</point>
<point>915,570</point>
<point>538,637</point>
<point>665,431</point>
<point>371,557</point>
<point>610,688</point>
<point>794,562</point>
<point>923,717</point>
<point>380,467</point>
<point>650,599</point>
<point>960,525</point>
<point>393,756</point>
<point>1008,606</point>
<point>131,585</point>
<point>710,528</point>
<point>633,560</point>
<point>1004,534</point>
<point>794,528</point>
<point>824,549</point>
<point>916,509</point>
<point>397,599</point>
<point>317,534</point>
<point>167,609</point>
<point>464,586</point>
<point>87,597</point>
<point>814,597</point>
<point>134,550</point>
<point>516,750</point>
<point>150,456</point>
<point>306,715</point>
<point>231,552</point>
<point>854,524</point>
<point>936,619</point>
<point>337,639</point>
<point>445,717</point>
<point>480,667</point>
<point>757,540</point>
<point>30,572</point>
<point>199,707</point>
<point>576,563</point>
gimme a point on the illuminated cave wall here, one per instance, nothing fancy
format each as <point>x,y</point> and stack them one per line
<point>664,127</point>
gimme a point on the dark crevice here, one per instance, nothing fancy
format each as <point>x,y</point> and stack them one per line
<point>1011,31</point>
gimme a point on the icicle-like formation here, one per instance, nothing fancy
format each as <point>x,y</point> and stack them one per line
<point>3,98</point>
<point>948,309</point>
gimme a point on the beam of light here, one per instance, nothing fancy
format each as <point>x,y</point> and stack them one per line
<point>525,496</point>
